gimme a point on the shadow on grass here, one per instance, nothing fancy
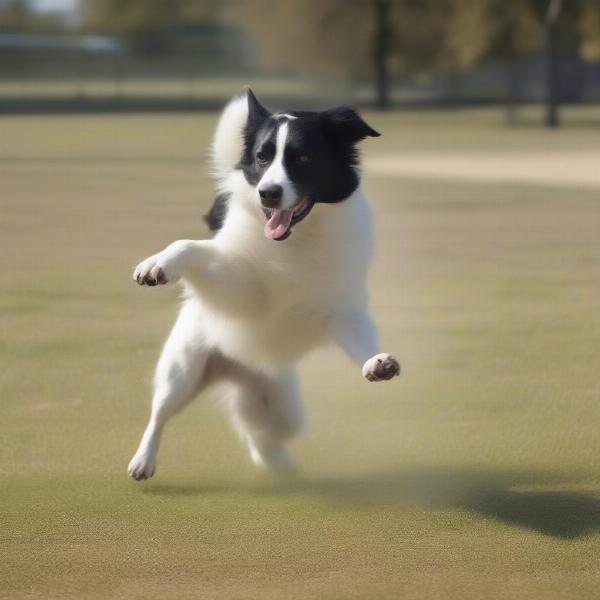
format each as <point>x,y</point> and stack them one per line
<point>495,495</point>
<point>505,496</point>
<point>562,514</point>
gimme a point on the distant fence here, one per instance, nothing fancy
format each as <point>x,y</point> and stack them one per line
<point>205,67</point>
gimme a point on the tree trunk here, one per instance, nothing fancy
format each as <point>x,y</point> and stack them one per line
<point>382,78</point>
<point>551,57</point>
<point>513,90</point>
<point>513,74</point>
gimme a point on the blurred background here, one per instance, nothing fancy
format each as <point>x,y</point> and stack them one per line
<point>476,474</point>
<point>181,54</point>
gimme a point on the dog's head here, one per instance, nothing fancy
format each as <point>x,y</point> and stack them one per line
<point>297,159</point>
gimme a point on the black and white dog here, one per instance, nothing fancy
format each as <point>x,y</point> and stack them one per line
<point>285,272</point>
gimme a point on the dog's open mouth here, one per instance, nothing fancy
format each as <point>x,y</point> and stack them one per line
<point>280,222</point>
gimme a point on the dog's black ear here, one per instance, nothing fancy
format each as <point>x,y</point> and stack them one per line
<point>257,113</point>
<point>347,124</point>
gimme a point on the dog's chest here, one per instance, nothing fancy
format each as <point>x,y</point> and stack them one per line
<point>274,337</point>
<point>307,280</point>
<point>293,319</point>
<point>298,304</point>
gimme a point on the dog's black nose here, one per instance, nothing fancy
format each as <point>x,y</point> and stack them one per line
<point>270,196</point>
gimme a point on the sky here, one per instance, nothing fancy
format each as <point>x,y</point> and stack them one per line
<point>54,5</point>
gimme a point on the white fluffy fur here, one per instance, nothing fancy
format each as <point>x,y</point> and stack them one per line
<point>276,173</point>
<point>227,143</point>
<point>254,306</point>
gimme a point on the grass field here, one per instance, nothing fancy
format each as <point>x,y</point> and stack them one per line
<point>474,475</point>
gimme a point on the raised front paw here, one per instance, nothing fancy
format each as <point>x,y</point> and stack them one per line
<point>381,367</point>
<point>156,270</point>
<point>151,272</point>
<point>168,265</point>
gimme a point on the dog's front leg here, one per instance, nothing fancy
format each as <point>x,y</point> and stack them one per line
<point>356,334</point>
<point>228,282</point>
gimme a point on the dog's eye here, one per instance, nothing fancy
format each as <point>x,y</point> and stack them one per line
<point>261,159</point>
<point>303,158</point>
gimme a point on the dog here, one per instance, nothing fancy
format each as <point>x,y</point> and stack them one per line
<point>284,273</point>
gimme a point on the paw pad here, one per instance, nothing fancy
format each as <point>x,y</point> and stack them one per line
<point>381,368</point>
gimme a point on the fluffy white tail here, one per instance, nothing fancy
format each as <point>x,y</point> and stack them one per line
<point>228,141</point>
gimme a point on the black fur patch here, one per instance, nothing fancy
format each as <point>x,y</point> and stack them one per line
<point>215,217</point>
<point>320,156</point>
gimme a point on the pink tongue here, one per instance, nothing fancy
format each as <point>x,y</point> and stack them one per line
<point>278,224</point>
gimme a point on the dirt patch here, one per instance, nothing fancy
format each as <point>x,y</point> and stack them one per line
<point>560,169</point>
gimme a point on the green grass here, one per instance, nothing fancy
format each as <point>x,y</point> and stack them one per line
<point>474,475</point>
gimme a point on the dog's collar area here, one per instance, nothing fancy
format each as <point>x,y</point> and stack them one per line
<point>280,222</point>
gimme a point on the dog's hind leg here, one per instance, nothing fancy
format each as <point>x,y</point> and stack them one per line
<point>266,411</point>
<point>178,378</point>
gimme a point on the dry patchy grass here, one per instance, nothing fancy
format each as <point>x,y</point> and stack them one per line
<point>474,475</point>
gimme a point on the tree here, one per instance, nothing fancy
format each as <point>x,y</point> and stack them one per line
<point>381,52</point>
<point>589,26</point>
<point>504,30</point>
<point>148,24</point>
<point>16,16</point>
<point>357,39</point>
<point>385,39</point>
<point>320,37</point>
<point>551,57</point>
<point>555,26</point>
